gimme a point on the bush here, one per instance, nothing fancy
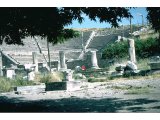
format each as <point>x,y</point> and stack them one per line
<point>116,50</point>
<point>143,49</point>
<point>19,81</point>
<point>5,85</point>
<point>52,77</point>
<point>78,76</point>
<point>146,48</point>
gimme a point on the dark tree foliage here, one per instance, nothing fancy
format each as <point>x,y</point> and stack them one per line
<point>18,23</point>
<point>154,18</point>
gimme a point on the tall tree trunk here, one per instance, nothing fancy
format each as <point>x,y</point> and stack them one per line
<point>49,57</point>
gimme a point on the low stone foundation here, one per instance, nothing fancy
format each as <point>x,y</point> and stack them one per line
<point>54,86</point>
<point>154,65</point>
<point>30,89</point>
<point>64,85</point>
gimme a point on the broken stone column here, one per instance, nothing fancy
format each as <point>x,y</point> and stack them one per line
<point>131,50</point>
<point>30,69</point>
<point>94,60</point>
<point>10,73</point>
<point>58,66</point>
<point>62,60</point>
<point>31,75</point>
<point>68,75</point>
<point>131,66</point>
<point>35,60</point>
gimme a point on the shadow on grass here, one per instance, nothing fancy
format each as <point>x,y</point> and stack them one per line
<point>72,105</point>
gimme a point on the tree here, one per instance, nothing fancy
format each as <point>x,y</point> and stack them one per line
<point>18,23</point>
<point>154,18</point>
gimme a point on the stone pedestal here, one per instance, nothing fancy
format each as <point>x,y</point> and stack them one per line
<point>9,73</point>
<point>62,60</point>
<point>31,75</point>
<point>131,50</point>
<point>131,67</point>
<point>94,60</point>
<point>35,60</point>
<point>30,69</point>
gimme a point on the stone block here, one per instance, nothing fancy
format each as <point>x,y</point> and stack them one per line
<point>120,67</point>
<point>30,89</point>
<point>64,85</point>
<point>131,66</point>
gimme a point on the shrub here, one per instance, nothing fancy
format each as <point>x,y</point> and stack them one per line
<point>143,49</point>
<point>52,77</point>
<point>78,76</point>
<point>146,48</point>
<point>5,85</point>
<point>19,81</point>
<point>91,80</point>
<point>116,50</point>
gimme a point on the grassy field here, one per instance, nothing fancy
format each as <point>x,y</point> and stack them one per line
<point>7,85</point>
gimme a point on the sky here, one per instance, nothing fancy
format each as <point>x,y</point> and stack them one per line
<point>87,23</point>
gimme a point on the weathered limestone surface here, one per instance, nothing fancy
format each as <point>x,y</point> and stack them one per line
<point>10,73</point>
<point>30,89</point>
<point>62,60</point>
<point>131,50</point>
<point>94,60</point>
<point>31,75</point>
<point>35,61</point>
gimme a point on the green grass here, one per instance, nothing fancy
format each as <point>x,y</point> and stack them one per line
<point>133,89</point>
<point>142,64</point>
<point>143,49</point>
<point>7,85</point>
<point>77,77</point>
<point>52,77</point>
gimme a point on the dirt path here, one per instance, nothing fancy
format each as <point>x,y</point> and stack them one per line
<point>114,96</point>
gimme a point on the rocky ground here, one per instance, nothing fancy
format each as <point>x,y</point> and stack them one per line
<point>113,96</point>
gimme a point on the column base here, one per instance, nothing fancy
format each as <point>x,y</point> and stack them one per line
<point>95,67</point>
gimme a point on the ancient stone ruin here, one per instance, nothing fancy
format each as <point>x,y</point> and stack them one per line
<point>75,54</point>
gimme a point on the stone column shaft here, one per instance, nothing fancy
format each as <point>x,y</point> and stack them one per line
<point>62,60</point>
<point>132,54</point>
<point>35,60</point>
<point>94,59</point>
